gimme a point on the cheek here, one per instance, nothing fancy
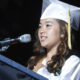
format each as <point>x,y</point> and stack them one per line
<point>54,34</point>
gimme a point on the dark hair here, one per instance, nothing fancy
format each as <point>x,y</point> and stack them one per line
<point>57,61</point>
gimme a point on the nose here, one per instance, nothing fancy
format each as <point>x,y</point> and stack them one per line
<point>42,30</point>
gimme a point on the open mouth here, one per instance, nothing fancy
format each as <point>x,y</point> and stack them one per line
<point>43,38</point>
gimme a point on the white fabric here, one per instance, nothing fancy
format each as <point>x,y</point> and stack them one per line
<point>70,70</point>
<point>55,11</point>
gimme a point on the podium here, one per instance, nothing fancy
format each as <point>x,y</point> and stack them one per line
<point>11,70</point>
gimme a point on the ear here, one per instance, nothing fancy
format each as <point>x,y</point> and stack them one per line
<point>62,35</point>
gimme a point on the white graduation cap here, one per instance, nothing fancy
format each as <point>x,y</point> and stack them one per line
<point>55,11</point>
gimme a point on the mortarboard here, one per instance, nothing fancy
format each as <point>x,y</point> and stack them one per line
<point>75,19</point>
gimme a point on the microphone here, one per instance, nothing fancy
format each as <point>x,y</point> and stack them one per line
<point>23,39</point>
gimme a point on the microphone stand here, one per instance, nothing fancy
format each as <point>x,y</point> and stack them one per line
<point>4,48</point>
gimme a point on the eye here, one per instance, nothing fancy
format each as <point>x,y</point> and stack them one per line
<point>39,26</point>
<point>48,24</point>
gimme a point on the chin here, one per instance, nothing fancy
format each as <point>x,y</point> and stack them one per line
<point>44,45</point>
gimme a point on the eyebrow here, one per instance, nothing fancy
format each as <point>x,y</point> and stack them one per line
<point>49,20</point>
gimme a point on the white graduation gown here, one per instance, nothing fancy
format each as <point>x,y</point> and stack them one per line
<point>70,70</point>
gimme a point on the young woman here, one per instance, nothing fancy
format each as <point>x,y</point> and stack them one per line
<point>52,58</point>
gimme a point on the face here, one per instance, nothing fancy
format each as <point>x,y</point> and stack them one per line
<point>49,33</point>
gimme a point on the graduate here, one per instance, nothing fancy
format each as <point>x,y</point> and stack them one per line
<point>52,58</point>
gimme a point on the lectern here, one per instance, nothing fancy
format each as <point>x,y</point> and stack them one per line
<point>11,70</point>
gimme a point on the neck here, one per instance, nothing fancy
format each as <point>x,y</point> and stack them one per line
<point>51,52</point>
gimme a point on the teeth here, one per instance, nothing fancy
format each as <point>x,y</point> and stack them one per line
<point>43,37</point>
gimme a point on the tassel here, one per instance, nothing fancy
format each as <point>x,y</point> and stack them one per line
<point>69,31</point>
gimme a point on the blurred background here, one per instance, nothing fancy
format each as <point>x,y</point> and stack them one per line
<point>18,17</point>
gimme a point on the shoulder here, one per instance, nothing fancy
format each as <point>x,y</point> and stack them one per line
<point>72,61</point>
<point>73,58</point>
<point>70,66</point>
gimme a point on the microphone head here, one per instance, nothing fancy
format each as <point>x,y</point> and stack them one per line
<point>25,38</point>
